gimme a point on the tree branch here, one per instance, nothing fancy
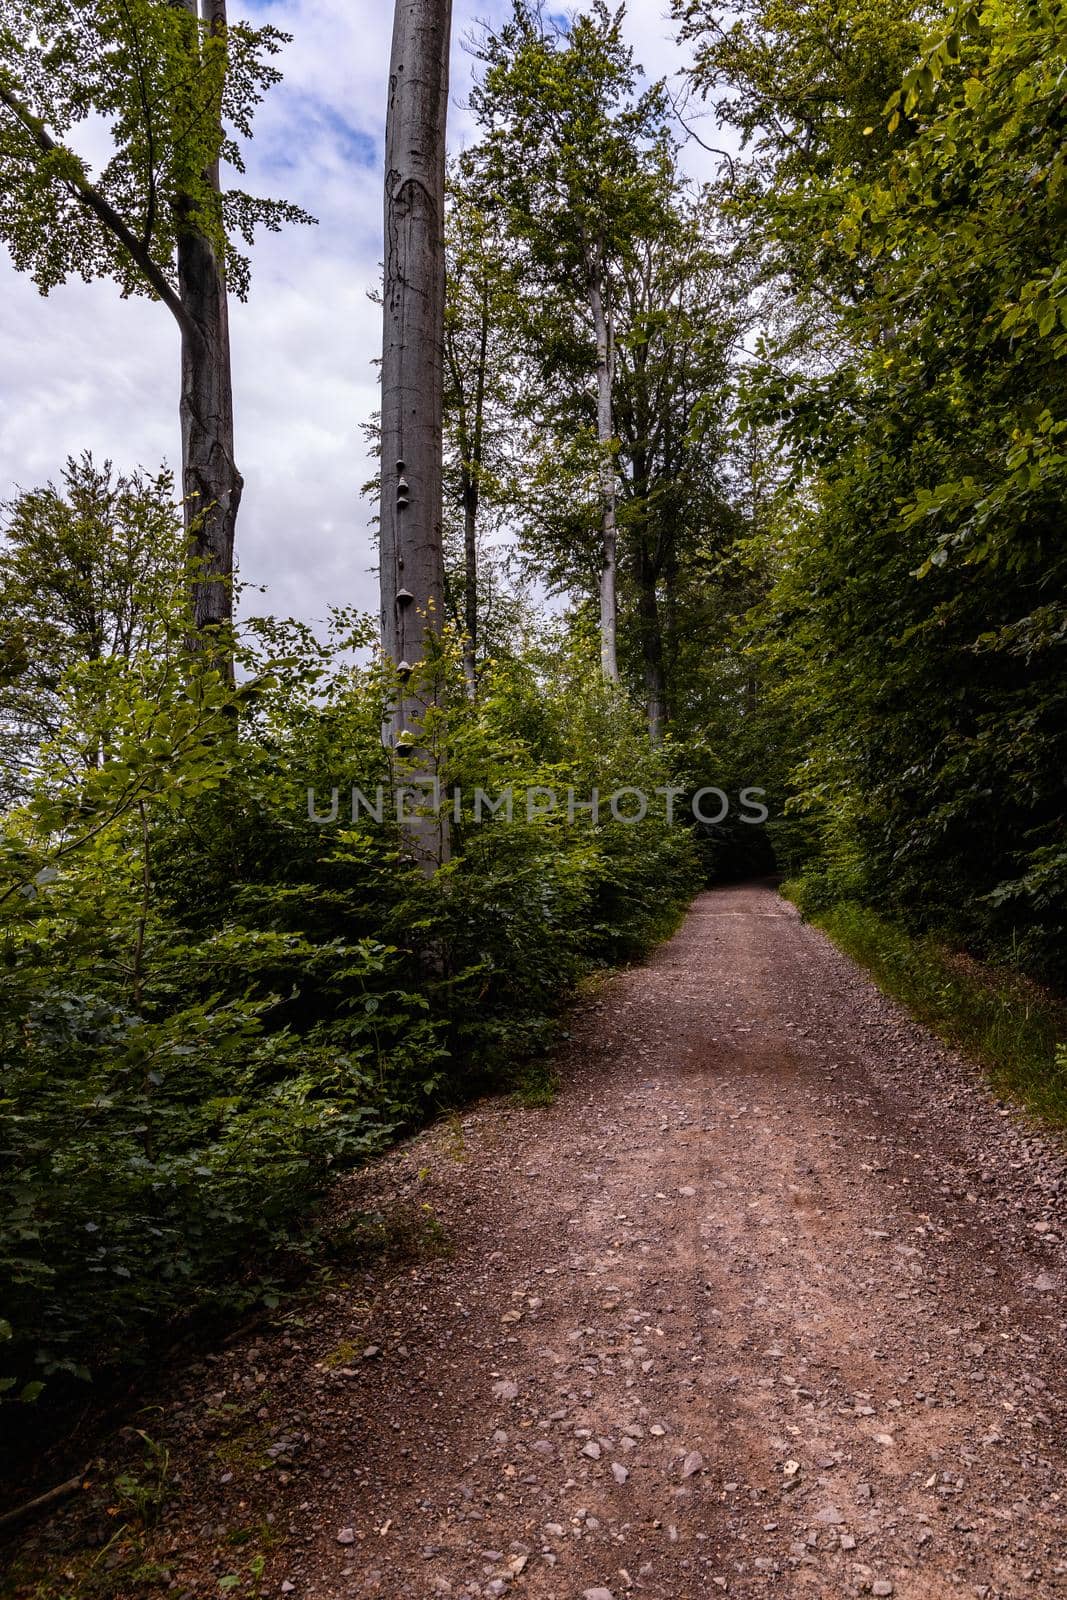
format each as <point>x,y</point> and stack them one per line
<point>91,198</point>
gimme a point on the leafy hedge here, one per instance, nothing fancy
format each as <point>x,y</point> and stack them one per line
<point>209,1003</point>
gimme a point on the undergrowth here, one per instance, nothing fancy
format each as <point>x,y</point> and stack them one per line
<point>212,1004</point>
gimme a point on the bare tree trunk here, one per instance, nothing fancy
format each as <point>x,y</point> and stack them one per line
<point>412,560</point>
<point>211,483</point>
<point>609,658</point>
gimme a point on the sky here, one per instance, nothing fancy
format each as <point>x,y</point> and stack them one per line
<point>85,370</point>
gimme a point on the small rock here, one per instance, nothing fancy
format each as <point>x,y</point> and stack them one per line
<point>371,1351</point>
<point>598,1594</point>
<point>288,1588</point>
<point>346,1536</point>
<point>829,1516</point>
<point>882,1587</point>
<point>592,1450</point>
<point>1045,1283</point>
<point>505,1390</point>
<point>693,1463</point>
<point>619,1472</point>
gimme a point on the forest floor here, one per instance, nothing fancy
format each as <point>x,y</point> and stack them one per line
<point>768,1302</point>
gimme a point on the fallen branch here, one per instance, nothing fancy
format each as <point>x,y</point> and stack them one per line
<point>53,1497</point>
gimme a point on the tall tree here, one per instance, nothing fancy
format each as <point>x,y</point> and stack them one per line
<point>485,366</point>
<point>680,310</point>
<point>576,158</point>
<point>412,558</point>
<point>176,86</point>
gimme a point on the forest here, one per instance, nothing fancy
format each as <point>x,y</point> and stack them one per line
<point>744,492</point>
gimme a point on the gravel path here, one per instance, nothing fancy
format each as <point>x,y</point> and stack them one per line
<point>769,1302</point>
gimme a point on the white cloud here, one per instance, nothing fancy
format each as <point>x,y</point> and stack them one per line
<point>85,370</point>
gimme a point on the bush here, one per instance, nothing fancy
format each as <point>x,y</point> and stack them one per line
<point>209,1004</point>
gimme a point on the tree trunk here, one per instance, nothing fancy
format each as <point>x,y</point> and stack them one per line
<point>671,641</point>
<point>412,559</point>
<point>652,649</point>
<point>609,659</point>
<point>470,581</point>
<point>472,489</point>
<point>211,483</point>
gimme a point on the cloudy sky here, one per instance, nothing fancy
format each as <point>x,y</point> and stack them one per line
<point>85,370</point>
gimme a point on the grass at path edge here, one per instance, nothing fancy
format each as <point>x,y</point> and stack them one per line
<point>1008,1025</point>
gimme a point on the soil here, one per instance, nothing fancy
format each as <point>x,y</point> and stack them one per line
<point>768,1302</point>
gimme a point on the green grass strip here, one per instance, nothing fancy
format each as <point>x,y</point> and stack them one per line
<point>998,1018</point>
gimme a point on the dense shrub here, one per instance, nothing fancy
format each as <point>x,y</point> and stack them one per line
<point>209,1003</point>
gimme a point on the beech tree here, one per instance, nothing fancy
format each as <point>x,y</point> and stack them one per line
<point>176,86</point>
<point>576,158</point>
<point>412,558</point>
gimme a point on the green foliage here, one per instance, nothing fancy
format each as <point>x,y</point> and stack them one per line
<point>572,152</point>
<point>999,1019</point>
<point>176,96</point>
<point>907,214</point>
<point>209,1003</point>
<point>90,570</point>
<point>597,227</point>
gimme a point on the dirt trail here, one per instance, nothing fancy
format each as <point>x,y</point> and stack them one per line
<point>769,1302</point>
